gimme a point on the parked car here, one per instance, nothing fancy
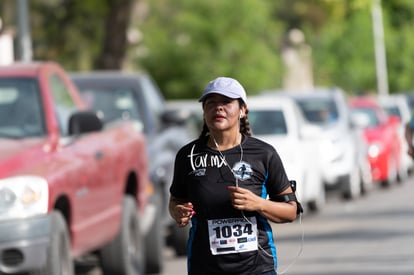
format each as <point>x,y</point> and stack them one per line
<point>410,99</point>
<point>339,153</point>
<point>136,97</point>
<point>69,186</point>
<point>397,105</point>
<point>279,122</point>
<point>380,131</point>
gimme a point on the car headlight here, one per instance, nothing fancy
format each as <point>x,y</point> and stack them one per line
<point>374,150</point>
<point>23,196</point>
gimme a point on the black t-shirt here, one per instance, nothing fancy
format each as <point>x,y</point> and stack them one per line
<point>201,177</point>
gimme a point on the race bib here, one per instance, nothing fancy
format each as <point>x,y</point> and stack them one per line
<point>232,235</point>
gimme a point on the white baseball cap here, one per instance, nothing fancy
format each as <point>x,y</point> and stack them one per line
<point>226,86</point>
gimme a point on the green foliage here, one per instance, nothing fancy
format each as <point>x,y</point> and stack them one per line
<point>68,32</point>
<point>399,15</point>
<point>188,43</point>
<point>341,36</point>
<point>344,54</point>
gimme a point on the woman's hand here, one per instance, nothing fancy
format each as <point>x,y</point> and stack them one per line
<point>278,212</point>
<point>244,199</point>
<point>181,212</point>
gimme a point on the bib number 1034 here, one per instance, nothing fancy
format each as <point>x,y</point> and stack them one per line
<point>236,230</point>
<point>232,235</point>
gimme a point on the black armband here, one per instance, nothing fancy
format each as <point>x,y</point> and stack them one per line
<point>285,198</point>
<point>290,197</point>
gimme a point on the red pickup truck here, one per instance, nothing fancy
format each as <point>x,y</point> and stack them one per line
<point>68,185</point>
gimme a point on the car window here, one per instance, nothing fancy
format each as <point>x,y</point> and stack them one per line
<point>63,102</point>
<point>153,98</point>
<point>410,100</point>
<point>153,95</point>
<point>393,110</point>
<point>319,110</point>
<point>21,112</point>
<point>365,117</point>
<point>112,104</point>
<point>267,122</point>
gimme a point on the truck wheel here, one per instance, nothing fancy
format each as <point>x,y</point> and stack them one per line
<point>154,241</point>
<point>125,254</point>
<point>179,239</point>
<point>59,259</point>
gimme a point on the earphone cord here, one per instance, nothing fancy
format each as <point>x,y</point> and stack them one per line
<point>244,216</point>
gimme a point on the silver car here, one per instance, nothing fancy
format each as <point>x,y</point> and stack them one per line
<point>397,104</point>
<point>341,152</point>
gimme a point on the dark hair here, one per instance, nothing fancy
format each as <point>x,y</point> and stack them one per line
<point>244,123</point>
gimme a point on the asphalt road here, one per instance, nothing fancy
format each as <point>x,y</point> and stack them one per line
<point>371,235</point>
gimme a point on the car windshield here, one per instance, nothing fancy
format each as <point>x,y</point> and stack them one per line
<point>21,112</point>
<point>267,122</point>
<point>319,110</point>
<point>365,117</point>
<point>410,100</point>
<point>112,104</point>
<point>393,110</point>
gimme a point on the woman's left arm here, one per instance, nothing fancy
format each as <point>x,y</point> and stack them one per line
<point>278,212</point>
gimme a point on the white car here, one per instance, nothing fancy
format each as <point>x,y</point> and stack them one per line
<point>398,105</point>
<point>279,122</point>
<point>340,151</point>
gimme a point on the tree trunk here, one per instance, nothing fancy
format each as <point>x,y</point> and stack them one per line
<point>115,40</point>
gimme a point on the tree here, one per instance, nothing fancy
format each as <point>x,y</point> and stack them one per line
<point>81,34</point>
<point>187,43</point>
<point>340,34</point>
<point>115,43</point>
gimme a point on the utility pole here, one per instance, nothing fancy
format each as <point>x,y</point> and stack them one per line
<point>24,41</point>
<point>380,56</point>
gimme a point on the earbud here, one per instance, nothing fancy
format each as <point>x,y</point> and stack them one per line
<point>241,115</point>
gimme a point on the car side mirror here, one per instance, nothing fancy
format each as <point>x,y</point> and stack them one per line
<point>84,122</point>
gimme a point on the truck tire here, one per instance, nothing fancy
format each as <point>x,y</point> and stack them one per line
<point>125,254</point>
<point>59,258</point>
<point>154,241</point>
